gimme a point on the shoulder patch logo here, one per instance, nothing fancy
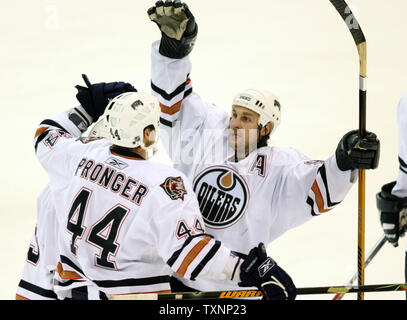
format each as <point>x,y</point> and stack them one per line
<point>174,188</point>
<point>118,164</point>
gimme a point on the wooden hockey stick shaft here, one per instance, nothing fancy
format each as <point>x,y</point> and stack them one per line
<point>359,38</point>
<point>376,248</point>
<point>233,294</point>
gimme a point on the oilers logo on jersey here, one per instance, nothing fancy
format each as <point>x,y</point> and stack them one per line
<point>222,194</point>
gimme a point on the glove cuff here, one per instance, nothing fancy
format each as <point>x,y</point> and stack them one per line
<point>80,118</point>
<point>84,113</point>
<point>386,202</point>
<point>342,159</point>
<point>177,49</point>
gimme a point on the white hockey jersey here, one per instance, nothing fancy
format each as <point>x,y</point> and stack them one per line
<point>400,189</point>
<point>37,279</point>
<point>125,224</point>
<point>243,203</point>
<point>38,273</point>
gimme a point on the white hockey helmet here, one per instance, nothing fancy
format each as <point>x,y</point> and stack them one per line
<point>127,115</point>
<point>99,128</point>
<point>263,102</point>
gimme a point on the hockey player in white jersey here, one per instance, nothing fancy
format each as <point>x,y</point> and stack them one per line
<point>36,282</point>
<point>248,192</point>
<point>125,223</point>
<point>37,277</point>
<point>392,199</point>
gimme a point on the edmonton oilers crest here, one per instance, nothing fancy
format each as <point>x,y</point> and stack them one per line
<point>222,194</point>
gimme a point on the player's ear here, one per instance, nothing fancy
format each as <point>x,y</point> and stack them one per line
<point>148,135</point>
<point>147,130</point>
<point>267,129</point>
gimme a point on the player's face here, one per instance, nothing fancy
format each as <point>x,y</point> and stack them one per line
<point>243,131</point>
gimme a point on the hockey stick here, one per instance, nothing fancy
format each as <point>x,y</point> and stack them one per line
<point>379,244</point>
<point>359,38</point>
<point>256,293</point>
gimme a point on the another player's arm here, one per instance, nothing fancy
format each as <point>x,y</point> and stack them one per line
<point>171,66</point>
<point>182,242</point>
<point>306,188</point>
<point>400,189</point>
<point>182,111</point>
<point>54,133</point>
<point>193,254</point>
<point>391,201</point>
<point>181,238</point>
<point>337,175</point>
<point>339,171</point>
<point>392,212</point>
<point>329,186</point>
<point>310,188</point>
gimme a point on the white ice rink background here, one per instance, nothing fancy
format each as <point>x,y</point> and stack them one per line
<point>299,49</point>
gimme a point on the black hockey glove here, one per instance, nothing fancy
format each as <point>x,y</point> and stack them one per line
<point>263,272</point>
<point>354,152</point>
<point>178,28</point>
<point>393,213</point>
<point>95,97</point>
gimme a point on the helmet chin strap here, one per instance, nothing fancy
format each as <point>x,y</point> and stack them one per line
<point>150,151</point>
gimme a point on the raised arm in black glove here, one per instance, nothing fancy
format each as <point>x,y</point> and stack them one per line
<point>178,28</point>
<point>263,272</point>
<point>95,97</point>
<point>354,152</point>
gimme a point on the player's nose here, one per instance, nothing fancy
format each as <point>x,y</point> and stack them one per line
<point>235,123</point>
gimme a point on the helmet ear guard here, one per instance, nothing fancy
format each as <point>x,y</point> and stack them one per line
<point>127,115</point>
<point>263,102</point>
<point>99,128</point>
